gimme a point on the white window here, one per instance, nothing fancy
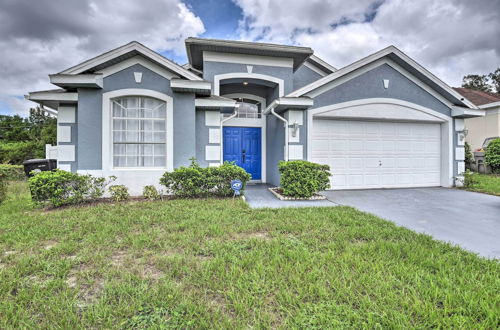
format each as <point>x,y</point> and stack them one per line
<point>139,132</point>
<point>247,108</point>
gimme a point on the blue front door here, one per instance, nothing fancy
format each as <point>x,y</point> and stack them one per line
<point>242,145</point>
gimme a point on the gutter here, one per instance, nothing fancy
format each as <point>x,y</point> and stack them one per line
<point>285,157</point>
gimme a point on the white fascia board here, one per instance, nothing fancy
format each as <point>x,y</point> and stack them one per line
<point>463,112</point>
<point>52,96</point>
<point>213,103</point>
<point>315,69</point>
<point>305,102</point>
<point>323,63</point>
<point>190,84</point>
<point>371,58</point>
<point>80,80</point>
<point>143,50</point>
<point>490,105</point>
<point>210,56</point>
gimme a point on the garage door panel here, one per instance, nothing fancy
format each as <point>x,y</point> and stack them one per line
<point>368,154</point>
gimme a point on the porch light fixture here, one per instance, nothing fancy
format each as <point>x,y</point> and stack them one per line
<point>245,83</point>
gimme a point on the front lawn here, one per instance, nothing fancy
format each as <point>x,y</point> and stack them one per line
<point>487,183</point>
<point>219,264</point>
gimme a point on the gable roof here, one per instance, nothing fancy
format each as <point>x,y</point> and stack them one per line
<point>323,65</point>
<point>126,51</point>
<point>404,61</point>
<point>478,97</point>
<point>196,46</point>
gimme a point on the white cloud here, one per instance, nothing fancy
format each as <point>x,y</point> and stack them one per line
<point>43,37</point>
<point>450,38</point>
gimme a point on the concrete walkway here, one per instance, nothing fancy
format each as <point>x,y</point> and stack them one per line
<point>468,219</point>
<point>258,196</point>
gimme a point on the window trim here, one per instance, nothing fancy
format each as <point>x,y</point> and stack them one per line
<point>153,131</point>
<point>107,128</point>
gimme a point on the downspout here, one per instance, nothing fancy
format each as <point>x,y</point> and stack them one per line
<point>222,136</point>
<point>286,132</point>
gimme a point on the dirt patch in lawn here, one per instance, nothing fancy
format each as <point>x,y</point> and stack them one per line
<point>47,245</point>
<point>118,258</point>
<point>88,292</point>
<point>150,271</point>
<point>258,235</point>
<point>218,301</point>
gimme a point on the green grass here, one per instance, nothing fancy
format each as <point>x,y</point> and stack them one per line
<point>487,183</point>
<point>218,264</point>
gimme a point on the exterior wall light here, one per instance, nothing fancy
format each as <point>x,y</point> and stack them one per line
<point>245,83</point>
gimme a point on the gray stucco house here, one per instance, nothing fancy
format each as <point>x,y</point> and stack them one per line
<point>381,122</point>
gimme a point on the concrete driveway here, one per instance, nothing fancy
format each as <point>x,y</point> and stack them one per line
<point>468,219</point>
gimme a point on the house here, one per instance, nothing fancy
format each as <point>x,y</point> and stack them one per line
<point>480,128</point>
<point>381,122</point>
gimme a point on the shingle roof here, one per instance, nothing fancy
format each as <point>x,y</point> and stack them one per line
<point>478,97</point>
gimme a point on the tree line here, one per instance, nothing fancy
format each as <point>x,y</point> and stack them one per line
<point>487,83</point>
<point>25,138</point>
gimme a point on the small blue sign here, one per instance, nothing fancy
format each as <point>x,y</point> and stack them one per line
<point>236,185</point>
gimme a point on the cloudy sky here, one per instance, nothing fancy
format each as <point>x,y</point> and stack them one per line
<point>451,38</point>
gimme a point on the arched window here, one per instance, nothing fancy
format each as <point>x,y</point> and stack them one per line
<point>248,108</point>
<point>139,132</point>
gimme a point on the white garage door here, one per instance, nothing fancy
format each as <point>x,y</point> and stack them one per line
<point>370,154</point>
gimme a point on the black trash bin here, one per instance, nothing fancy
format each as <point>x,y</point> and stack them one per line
<point>39,165</point>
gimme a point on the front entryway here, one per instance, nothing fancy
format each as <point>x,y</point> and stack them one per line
<point>242,145</point>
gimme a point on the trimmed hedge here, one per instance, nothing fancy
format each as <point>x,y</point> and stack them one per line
<point>57,188</point>
<point>12,172</point>
<point>492,155</point>
<point>302,179</point>
<point>197,181</point>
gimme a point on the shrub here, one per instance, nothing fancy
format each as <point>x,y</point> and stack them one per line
<point>469,159</point>
<point>470,179</point>
<point>12,172</point>
<point>492,155</point>
<point>18,152</point>
<point>302,179</point>
<point>220,178</point>
<point>3,187</point>
<point>197,181</point>
<point>150,192</point>
<point>119,193</point>
<point>57,188</point>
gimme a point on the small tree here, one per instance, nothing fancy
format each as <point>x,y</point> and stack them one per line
<point>469,159</point>
<point>492,155</point>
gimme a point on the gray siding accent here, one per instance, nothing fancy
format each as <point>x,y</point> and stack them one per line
<point>89,116</point>
<point>201,138</point>
<point>304,76</point>
<point>275,143</point>
<point>370,85</point>
<point>184,129</point>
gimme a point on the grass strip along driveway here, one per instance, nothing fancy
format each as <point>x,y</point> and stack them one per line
<point>217,264</point>
<point>487,184</point>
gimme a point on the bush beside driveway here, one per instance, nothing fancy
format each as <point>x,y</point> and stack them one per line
<point>215,263</point>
